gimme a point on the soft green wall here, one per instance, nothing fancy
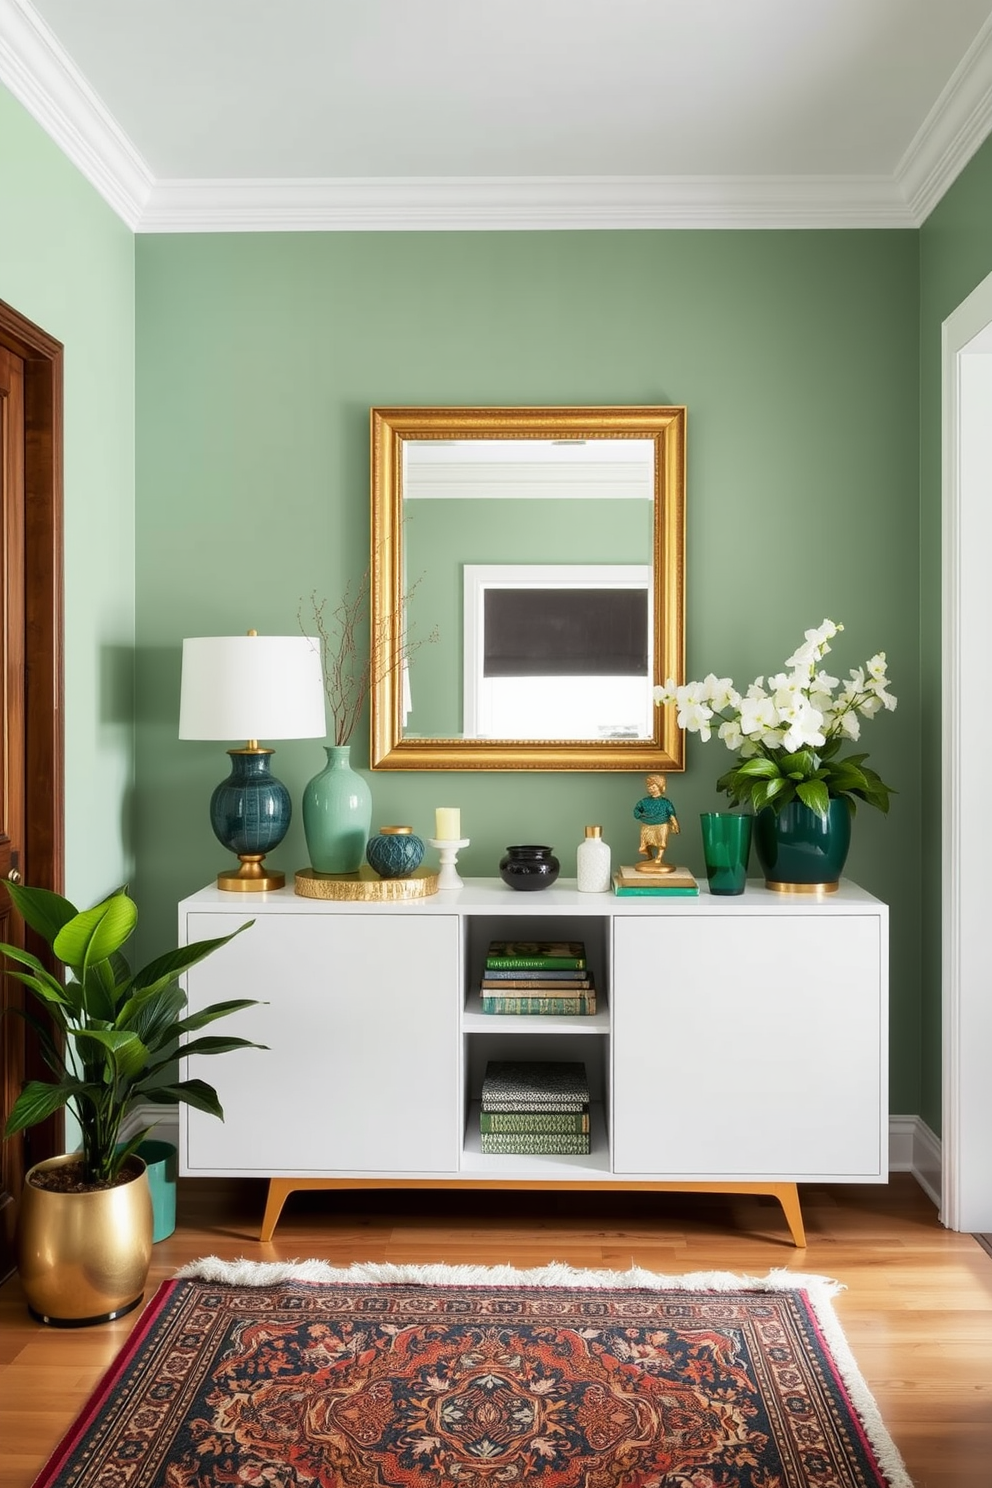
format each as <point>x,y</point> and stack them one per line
<point>955,256</point>
<point>796,354</point>
<point>67,263</point>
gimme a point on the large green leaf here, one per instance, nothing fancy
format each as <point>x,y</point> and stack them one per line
<point>191,1092</point>
<point>45,911</point>
<point>43,985</point>
<point>216,1010</point>
<point>174,963</point>
<point>200,1046</point>
<point>95,934</point>
<point>38,1100</point>
<point>125,1052</point>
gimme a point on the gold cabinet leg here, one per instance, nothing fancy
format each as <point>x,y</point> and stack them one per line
<point>279,1191</point>
<point>788,1196</point>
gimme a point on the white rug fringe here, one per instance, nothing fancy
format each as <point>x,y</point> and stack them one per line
<point>819,1289</point>
<point>271,1273</point>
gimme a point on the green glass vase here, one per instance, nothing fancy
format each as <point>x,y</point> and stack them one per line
<point>337,814</point>
<point>801,852</point>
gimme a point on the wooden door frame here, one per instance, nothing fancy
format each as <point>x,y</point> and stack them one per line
<point>43,860</point>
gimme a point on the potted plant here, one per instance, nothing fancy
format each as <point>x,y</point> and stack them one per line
<point>85,1222</point>
<point>789,733</point>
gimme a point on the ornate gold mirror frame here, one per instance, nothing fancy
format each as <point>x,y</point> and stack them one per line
<point>398,625</point>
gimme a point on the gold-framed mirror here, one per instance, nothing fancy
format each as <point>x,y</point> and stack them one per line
<point>542,552</point>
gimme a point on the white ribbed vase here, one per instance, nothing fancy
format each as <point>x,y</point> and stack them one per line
<point>593,862</point>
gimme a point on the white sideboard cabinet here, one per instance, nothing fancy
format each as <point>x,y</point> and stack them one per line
<point>740,1044</point>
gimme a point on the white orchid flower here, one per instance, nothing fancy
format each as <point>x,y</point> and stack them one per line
<point>758,715</point>
<point>850,725</point>
<point>730,733</point>
<point>805,728</point>
<point>694,717</point>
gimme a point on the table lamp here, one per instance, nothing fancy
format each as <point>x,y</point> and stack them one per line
<point>251,687</point>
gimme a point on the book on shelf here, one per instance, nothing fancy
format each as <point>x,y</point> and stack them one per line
<point>627,880</point>
<point>524,983</point>
<point>524,1121</point>
<point>581,1004</point>
<point>549,974</point>
<point>535,1085</point>
<point>543,1144</point>
<point>536,953</point>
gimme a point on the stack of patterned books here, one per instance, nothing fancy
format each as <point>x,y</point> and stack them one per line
<point>535,1106</point>
<point>629,881</point>
<point>541,977</point>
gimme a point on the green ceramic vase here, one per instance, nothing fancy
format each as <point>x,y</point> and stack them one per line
<point>337,814</point>
<point>801,852</point>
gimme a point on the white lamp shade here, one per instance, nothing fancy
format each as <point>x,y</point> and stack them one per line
<point>252,687</point>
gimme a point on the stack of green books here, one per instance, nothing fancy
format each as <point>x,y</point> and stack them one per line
<point>535,1106</point>
<point>539,977</point>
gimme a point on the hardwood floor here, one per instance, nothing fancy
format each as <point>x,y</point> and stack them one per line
<point>917,1309</point>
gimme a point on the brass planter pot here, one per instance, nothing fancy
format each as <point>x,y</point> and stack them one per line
<point>84,1257</point>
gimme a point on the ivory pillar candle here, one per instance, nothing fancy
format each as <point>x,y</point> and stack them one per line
<point>447,824</point>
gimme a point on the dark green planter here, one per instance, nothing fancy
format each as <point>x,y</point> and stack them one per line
<point>800,852</point>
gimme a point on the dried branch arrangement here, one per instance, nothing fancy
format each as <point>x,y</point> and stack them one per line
<point>355,654</point>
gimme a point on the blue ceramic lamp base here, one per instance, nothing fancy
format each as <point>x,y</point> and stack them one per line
<point>250,813</point>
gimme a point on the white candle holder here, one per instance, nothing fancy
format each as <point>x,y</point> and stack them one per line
<point>449,848</point>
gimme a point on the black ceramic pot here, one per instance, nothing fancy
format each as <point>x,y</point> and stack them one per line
<point>529,867</point>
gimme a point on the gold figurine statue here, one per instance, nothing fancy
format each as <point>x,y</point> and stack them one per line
<point>656,815</point>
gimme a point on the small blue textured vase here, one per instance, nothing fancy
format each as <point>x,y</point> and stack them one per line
<point>395,853</point>
<point>337,814</point>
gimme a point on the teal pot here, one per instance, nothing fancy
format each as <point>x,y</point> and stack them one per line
<point>396,852</point>
<point>801,852</point>
<point>337,814</point>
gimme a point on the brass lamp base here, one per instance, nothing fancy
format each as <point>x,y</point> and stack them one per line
<point>251,877</point>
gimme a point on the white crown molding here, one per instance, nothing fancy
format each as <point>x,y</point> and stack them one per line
<point>523,203</point>
<point>950,134</point>
<point>39,73</point>
<point>45,80</point>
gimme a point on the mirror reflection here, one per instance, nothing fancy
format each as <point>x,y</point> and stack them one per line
<point>544,548</point>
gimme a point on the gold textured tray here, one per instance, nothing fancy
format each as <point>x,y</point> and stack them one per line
<point>365,884</point>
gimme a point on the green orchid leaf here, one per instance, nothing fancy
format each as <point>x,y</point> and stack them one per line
<point>758,767</point>
<point>814,794</point>
<point>799,765</point>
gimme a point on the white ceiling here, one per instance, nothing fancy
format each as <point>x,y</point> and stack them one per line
<point>292,114</point>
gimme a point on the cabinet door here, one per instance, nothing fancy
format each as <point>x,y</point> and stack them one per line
<point>750,1047</point>
<point>361,1020</point>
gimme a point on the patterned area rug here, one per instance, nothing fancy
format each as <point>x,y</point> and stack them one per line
<point>302,1376</point>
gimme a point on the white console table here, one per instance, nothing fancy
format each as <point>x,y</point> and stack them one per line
<point>740,1044</point>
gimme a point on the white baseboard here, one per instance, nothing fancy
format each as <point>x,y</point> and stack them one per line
<point>913,1148</point>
